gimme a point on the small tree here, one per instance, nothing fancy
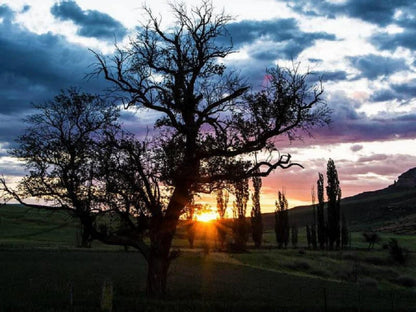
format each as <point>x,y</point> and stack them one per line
<point>222,202</point>
<point>281,226</point>
<point>61,147</point>
<point>371,238</point>
<point>333,192</point>
<point>256,218</point>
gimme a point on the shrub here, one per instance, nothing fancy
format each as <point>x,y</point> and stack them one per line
<point>397,253</point>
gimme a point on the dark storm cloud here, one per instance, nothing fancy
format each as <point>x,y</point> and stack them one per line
<point>401,92</point>
<point>33,69</point>
<point>91,23</point>
<point>391,42</point>
<point>382,13</point>
<point>377,12</point>
<point>326,76</point>
<point>372,66</point>
<point>383,95</point>
<point>289,40</point>
<point>373,11</point>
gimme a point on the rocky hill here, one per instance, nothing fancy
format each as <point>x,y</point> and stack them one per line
<point>406,181</point>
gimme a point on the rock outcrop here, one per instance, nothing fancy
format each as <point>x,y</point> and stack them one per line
<point>406,180</point>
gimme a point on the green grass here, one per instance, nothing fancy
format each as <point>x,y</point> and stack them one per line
<point>40,265</point>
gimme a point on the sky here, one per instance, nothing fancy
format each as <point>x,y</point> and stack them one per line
<point>363,50</point>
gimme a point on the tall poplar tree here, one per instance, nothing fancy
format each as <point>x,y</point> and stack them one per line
<point>281,220</point>
<point>333,192</point>
<point>320,211</point>
<point>256,219</point>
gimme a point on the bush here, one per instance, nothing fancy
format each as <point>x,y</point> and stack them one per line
<point>406,281</point>
<point>397,253</point>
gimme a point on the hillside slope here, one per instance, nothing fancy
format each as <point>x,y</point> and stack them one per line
<point>392,209</point>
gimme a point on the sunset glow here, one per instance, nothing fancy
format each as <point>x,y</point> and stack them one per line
<point>207,216</point>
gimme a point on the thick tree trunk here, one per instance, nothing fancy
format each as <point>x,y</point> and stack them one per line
<point>162,230</point>
<point>158,266</point>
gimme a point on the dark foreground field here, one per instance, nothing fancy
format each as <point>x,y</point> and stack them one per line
<point>41,270</point>
<point>46,280</point>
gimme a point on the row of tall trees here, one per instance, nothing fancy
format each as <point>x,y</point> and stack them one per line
<point>332,229</point>
<point>210,124</point>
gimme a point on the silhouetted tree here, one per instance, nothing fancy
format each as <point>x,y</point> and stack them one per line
<point>209,127</point>
<point>222,202</point>
<point>333,192</point>
<point>61,147</point>
<point>281,226</point>
<point>294,236</point>
<point>240,226</point>
<point>320,212</point>
<point>256,218</point>
<point>314,224</point>
<point>344,232</point>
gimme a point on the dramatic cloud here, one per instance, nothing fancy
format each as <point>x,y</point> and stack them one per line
<point>34,68</point>
<point>386,41</point>
<point>401,92</point>
<point>373,11</point>
<point>91,23</point>
<point>372,66</point>
<point>349,126</point>
<point>382,13</point>
<point>280,38</point>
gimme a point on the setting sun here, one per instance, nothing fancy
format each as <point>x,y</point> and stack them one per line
<point>206,216</point>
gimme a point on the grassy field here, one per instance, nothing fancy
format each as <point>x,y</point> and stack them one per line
<point>42,270</point>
